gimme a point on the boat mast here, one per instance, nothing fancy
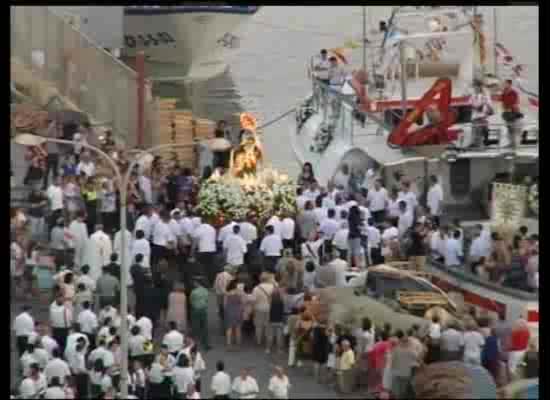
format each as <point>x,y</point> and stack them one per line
<point>495,34</point>
<point>403,78</point>
<point>364,38</point>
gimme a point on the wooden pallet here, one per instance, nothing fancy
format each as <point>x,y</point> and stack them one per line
<point>420,300</point>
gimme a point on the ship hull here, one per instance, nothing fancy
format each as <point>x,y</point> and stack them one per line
<point>191,42</point>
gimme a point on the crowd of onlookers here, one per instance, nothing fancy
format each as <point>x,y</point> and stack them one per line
<point>267,283</point>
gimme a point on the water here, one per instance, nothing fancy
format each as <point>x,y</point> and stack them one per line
<point>267,74</point>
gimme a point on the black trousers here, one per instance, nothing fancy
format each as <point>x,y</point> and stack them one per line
<point>270,262</point>
<point>22,344</point>
<point>109,220</point>
<point>60,336</point>
<point>91,339</point>
<point>81,383</point>
<point>343,254</point>
<point>208,262</point>
<point>222,396</point>
<point>376,255</point>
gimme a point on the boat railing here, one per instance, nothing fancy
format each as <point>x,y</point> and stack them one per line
<point>341,112</point>
<point>462,275</point>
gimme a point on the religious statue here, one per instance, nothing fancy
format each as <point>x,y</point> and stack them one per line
<point>249,154</point>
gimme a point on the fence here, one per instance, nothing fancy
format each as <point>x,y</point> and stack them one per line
<point>87,75</point>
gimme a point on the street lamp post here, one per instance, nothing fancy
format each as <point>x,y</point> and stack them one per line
<point>34,140</point>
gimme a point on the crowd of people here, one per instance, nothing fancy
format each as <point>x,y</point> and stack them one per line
<point>267,283</point>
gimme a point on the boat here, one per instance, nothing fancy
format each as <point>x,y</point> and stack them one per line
<point>186,41</point>
<point>425,62</point>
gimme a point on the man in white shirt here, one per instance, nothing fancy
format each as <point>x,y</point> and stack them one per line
<point>320,66</point>
<point>221,382</point>
<point>453,251</point>
<point>336,74</point>
<point>88,282</point>
<point>329,226</point>
<point>86,166</point>
<point>141,246</point>
<point>235,248</point>
<point>409,196</point>
<point>88,322</point>
<point>377,199</point>
<point>405,218</point>
<point>60,320</point>
<point>341,241</point>
<point>375,243</point>
<point>33,385</point>
<point>163,241</point>
<point>57,367</point>
<point>275,222</point>
<point>55,391</point>
<point>452,344</point>
<point>55,197</point>
<point>146,327</point>
<point>225,232</point>
<point>435,200</point>
<point>46,341</point>
<point>279,384</point>
<point>288,227</point>
<point>262,302</point>
<point>173,339</point>
<point>271,247</point>
<point>205,239</point>
<point>245,386</point>
<point>144,222</point>
<point>23,325</point>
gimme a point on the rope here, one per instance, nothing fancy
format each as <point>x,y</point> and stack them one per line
<point>277,119</point>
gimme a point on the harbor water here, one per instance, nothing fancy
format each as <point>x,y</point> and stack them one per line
<point>267,74</point>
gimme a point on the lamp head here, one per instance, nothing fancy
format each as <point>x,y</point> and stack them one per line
<point>28,139</point>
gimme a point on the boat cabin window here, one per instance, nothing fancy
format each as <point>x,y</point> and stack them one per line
<point>388,286</point>
<point>393,117</point>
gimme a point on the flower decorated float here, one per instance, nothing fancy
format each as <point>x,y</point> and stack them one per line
<point>248,190</point>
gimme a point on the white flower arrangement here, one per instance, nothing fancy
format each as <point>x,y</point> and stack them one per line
<point>224,198</point>
<point>533,199</point>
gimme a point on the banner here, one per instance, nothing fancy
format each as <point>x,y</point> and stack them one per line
<point>509,204</point>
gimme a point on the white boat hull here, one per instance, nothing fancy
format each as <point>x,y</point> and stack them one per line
<point>189,44</point>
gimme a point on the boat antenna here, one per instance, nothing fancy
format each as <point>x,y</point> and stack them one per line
<point>495,41</point>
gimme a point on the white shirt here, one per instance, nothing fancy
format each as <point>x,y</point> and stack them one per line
<point>473,343</point>
<point>57,367</point>
<point>279,387</point>
<point>287,228</point>
<point>225,232</point>
<point>41,356</point>
<point>321,214</point>
<point>479,249</point>
<point>301,202</point>
<point>221,384</point>
<point>77,362</point>
<point>135,345</point>
<point>176,228</point>
<point>54,393</point>
<point>144,223</point>
<point>182,378</point>
<point>452,253</point>
<point>435,331</point>
<point>391,233</point>
<point>393,208</point>
<point>235,247</point>
<point>88,321</point>
<point>271,245</point>
<point>374,237</point>
<point>174,341</point>
<point>341,239</point>
<point>72,342</point>
<point>162,234</point>
<point>405,222</point>
<point>247,388</point>
<point>26,360</point>
<point>275,222</point>
<point>206,237</point>
<point>60,316</point>
<point>435,199</point>
<point>49,344</point>
<point>88,282</point>
<point>29,388</point>
<point>146,327</point>
<point>377,199</point>
<point>141,246</point>
<point>23,324</point>
<point>55,195</point>
<point>329,227</point>
<point>87,167</point>
<point>187,226</point>
<point>340,268</point>
<point>410,198</point>
<point>248,232</point>
<point>341,180</point>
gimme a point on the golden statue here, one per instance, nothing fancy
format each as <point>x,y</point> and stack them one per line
<point>246,159</point>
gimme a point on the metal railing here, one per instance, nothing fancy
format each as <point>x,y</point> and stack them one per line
<point>84,73</point>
